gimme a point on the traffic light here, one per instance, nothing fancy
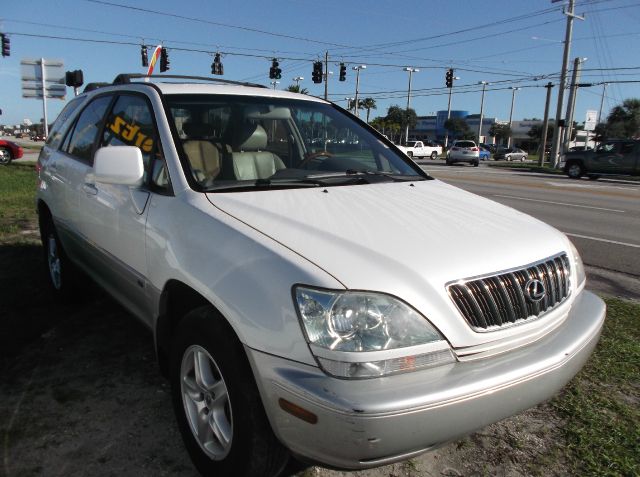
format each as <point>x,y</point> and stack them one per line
<point>74,79</point>
<point>275,72</point>
<point>164,60</point>
<point>316,76</point>
<point>343,72</point>
<point>216,66</point>
<point>449,78</point>
<point>6,45</point>
<point>143,54</point>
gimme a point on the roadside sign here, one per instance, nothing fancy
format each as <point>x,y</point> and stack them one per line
<point>42,79</point>
<point>591,120</point>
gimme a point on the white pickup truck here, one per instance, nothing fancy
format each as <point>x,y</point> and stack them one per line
<point>421,149</point>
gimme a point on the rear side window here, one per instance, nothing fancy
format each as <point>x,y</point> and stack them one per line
<point>83,136</point>
<point>56,130</point>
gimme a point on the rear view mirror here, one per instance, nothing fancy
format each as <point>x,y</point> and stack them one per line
<point>118,165</point>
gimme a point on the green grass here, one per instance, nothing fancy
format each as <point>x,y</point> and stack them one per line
<point>17,198</point>
<point>602,404</point>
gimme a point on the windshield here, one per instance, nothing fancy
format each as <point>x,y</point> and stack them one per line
<point>235,142</point>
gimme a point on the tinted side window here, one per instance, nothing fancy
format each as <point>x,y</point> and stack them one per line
<point>83,137</point>
<point>55,132</point>
<point>626,148</point>
<point>130,123</point>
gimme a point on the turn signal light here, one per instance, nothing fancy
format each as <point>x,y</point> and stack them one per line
<point>297,411</point>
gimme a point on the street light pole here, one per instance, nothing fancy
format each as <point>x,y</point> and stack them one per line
<point>484,87</point>
<point>274,83</point>
<point>357,70</point>
<point>513,99</point>
<point>297,79</point>
<point>411,71</point>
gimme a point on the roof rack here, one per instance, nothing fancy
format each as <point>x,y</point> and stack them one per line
<point>125,78</point>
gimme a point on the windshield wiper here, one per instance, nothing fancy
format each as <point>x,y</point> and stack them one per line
<point>394,177</point>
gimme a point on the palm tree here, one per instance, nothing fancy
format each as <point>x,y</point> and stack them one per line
<point>295,88</point>
<point>368,104</point>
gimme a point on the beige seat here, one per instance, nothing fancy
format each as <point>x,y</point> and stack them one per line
<point>251,161</point>
<point>204,157</point>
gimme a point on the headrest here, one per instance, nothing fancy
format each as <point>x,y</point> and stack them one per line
<point>254,138</point>
<point>197,130</point>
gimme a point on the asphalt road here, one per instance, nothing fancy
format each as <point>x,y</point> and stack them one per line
<point>602,217</point>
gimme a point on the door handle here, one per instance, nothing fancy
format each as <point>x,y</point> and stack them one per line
<point>90,189</point>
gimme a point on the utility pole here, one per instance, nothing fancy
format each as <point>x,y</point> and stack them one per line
<point>513,99</point>
<point>357,70</point>
<point>484,87</point>
<point>604,90</point>
<point>446,137</point>
<point>326,75</point>
<point>545,125</point>
<point>411,71</point>
<point>563,81</point>
<point>573,90</point>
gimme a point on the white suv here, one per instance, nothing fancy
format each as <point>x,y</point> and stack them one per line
<point>463,151</point>
<point>308,297</point>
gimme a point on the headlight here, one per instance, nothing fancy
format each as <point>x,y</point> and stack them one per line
<point>581,276</point>
<point>364,334</point>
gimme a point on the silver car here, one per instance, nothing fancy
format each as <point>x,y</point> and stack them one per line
<point>511,154</point>
<point>309,298</point>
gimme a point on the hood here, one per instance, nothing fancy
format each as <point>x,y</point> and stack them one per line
<point>404,239</point>
<point>425,228</point>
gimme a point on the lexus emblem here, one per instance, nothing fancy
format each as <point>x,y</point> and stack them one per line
<point>534,290</point>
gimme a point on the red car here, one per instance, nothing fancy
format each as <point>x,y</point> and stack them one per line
<point>9,151</point>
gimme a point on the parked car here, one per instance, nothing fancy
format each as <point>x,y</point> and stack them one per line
<point>580,148</point>
<point>484,154</point>
<point>617,156</point>
<point>324,300</point>
<point>463,151</point>
<point>38,137</point>
<point>510,154</point>
<point>9,151</point>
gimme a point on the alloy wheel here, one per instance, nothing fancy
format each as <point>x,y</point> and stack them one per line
<point>206,402</point>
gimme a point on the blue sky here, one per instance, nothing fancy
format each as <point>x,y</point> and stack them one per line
<point>490,40</point>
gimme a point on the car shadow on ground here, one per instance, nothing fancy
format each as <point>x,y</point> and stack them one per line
<point>80,389</point>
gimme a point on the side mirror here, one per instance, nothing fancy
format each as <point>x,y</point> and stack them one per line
<point>118,165</point>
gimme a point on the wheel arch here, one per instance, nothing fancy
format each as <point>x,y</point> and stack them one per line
<point>176,301</point>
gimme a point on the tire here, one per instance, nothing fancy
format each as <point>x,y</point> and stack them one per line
<point>64,278</point>
<point>409,153</point>
<point>593,177</point>
<point>574,170</point>
<point>475,164</point>
<point>449,162</point>
<point>239,439</point>
<point>523,158</point>
<point>434,155</point>
<point>508,158</point>
<point>5,156</point>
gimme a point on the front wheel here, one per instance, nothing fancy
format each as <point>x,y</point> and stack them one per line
<point>5,156</point>
<point>508,158</point>
<point>217,403</point>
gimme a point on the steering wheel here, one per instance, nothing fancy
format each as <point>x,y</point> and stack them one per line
<point>313,156</point>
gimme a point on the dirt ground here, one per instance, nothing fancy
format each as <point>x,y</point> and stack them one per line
<point>80,394</point>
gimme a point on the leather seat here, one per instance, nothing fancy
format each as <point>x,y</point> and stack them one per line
<point>251,161</point>
<point>203,156</point>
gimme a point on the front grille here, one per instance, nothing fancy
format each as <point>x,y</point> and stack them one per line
<point>502,299</point>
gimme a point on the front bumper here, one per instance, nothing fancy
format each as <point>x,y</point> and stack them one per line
<point>372,422</point>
